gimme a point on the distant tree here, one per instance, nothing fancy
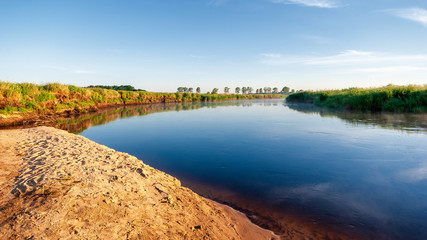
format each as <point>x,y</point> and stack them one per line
<point>198,90</point>
<point>226,90</point>
<point>285,90</point>
<point>215,91</point>
<point>190,90</point>
<point>117,88</point>
<point>185,89</point>
<point>260,91</point>
<point>237,90</point>
<point>293,90</point>
<point>275,90</point>
<point>250,90</point>
<point>244,90</point>
<point>180,89</point>
<point>257,91</point>
<point>267,89</point>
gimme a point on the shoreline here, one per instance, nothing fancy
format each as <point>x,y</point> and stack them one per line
<point>387,99</point>
<point>69,186</point>
<point>35,119</point>
<point>283,220</point>
<point>23,103</point>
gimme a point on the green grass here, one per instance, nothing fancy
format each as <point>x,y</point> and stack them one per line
<point>57,98</point>
<point>391,98</point>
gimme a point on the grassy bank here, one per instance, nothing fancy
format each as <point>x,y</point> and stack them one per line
<point>59,98</point>
<point>391,98</point>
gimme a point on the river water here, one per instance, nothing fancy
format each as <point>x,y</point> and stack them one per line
<point>291,167</point>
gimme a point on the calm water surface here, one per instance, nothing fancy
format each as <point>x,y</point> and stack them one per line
<point>362,172</point>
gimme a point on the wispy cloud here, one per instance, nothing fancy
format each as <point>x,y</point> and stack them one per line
<point>83,72</point>
<point>316,39</point>
<point>351,58</point>
<point>113,50</point>
<point>418,15</point>
<point>272,55</point>
<point>311,3</point>
<point>392,69</point>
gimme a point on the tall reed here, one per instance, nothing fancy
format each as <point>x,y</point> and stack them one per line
<point>391,98</point>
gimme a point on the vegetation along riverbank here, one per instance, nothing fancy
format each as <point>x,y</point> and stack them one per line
<point>391,98</point>
<point>21,103</point>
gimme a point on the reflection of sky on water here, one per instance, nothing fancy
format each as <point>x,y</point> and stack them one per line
<point>371,174</point>
<point>414,175</point>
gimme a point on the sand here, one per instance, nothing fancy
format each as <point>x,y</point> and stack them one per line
<point>57,185</point>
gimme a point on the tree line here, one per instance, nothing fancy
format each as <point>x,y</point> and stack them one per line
<point>117,88</point>
<point>243,90</point>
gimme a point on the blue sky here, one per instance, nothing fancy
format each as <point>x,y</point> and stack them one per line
<point>160,45</point>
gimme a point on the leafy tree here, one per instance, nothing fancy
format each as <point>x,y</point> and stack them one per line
<point>237,90</point>
<point>198,90</point>
<point>244,90</point>
<point>275,90</point>
<point>250,90</point>
<point>190,90</point>
<point>257,91</point>
<point>115,87</point>
<point>215,91</point>
<point>285,90</point>
<point>226,90</point>
<point>180,89</point>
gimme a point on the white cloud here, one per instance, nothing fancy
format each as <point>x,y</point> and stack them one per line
<point>348,56</point>
<point>362,61</point>
<point>271,55</point>
<point>310,3</point>
<point>418,15</point>
<point>82,72</point>
<point>392,69</point>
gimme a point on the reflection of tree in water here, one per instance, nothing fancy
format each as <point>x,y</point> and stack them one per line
<point>409,122</point>
<point>77,124</point>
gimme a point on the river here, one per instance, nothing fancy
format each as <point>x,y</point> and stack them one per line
<point>291,167</point>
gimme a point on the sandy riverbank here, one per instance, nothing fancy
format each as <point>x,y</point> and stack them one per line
<point>54,184</point>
